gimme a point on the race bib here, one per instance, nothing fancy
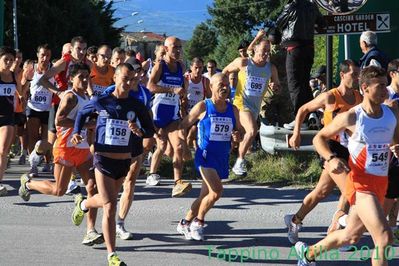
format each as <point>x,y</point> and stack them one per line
<point>117,132</point>
<point>255,86</point>
<point>7,89</point>
<point>221,128</point>
<point>41,97</point>
<point>377,162</point>
<point>98,89</point>
<point>169,98</point>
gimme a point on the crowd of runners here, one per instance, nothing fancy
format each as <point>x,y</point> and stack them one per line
<point>101,114</point>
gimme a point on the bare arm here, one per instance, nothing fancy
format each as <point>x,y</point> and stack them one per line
<point>195,114</point>
<point>234,66</point>
<point>343,121</point>
<point>208,93</point>
<point>261,33</point>
<point>315,104</point>
<point>155,77</point>
<point>68,102</point>
<point>238,131</point>
<point>58,67</point>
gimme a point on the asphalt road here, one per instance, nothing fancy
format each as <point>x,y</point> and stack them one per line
<point>246,225</point>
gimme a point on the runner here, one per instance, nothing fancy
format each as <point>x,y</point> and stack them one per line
<point>371,126</point>
<point>198,90</point>
<point>169,86</point>
<point>390,202</point>
<point>333,102</point>
<point>8,86</point>
<point>39,102</point>
<point>218,125</point>
<point>102,72</point>
<point>211,67</point>
<point>118,56</point>
<point>66,155</point>
<point>119,118</point>
<point>91,54</point>
<point>141,93</point>
<point>253,79</point>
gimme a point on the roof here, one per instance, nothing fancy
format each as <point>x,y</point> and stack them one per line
<point>144,36</point>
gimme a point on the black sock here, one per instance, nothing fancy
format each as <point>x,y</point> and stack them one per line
<point>184,221</point>
<point>199,221</point>
<point>306,257</point>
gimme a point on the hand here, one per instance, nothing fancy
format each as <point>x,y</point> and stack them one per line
<point>261,33</point>
<point>236,136</point>
<point>179,90</point>
<point>295,141</point>
<point>29,71</point>
<point>76,139</point>
<point>337,166</point>
<point>135,129</point>
<point>274,87</point>
<point>395,150</point>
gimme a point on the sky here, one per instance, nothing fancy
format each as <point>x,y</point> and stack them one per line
<point>172,17</point>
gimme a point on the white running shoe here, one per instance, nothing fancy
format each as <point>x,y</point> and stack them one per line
<point>73,188</point>
<point>197,231</point>
<point>300,248</point>
<point>184,229</point>
<point>291,126</point>
<point>122,233</point>
<point>3,190</point>
<point>153,180</point>
<point>293,228</point>
<point>239,167</point>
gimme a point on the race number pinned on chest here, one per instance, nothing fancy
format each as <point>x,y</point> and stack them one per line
<point>7,89</point>
<point>117,132</point>
<point>41,97</point>
<point>255,86</point>
<point>169,98</point>
<point>221,128</point>
<point>377,159</point>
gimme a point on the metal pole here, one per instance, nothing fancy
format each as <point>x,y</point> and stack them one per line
<point>329,55</point>
<point>347,47</point>
<point>14,14</point>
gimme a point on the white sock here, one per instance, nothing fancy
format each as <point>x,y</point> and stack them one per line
<point>239,160</point>
<point>83,206</point>
<point>27,185</point>
<point>110,254</point>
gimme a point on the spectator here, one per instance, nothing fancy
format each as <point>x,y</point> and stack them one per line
<point>372,55</point>
<point>297,23</point>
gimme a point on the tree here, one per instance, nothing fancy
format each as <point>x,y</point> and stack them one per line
<point>56,21</point>
<point>235,17</point>
<point>202,43</point>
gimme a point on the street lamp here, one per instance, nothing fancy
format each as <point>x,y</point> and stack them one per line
<point>135,13</point>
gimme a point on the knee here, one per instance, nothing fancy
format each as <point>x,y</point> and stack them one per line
<point>91,188</point>
<point>352,239</point>
<point>128,186</point>
<point>109,208</point>
<point>215,195</point>
<point>251,133</point>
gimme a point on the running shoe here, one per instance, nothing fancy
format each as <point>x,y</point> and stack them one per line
<point>22,159</point>
<point>197,231</point>
<point>122,233</point>
<point>47,168</point>
<point>291,126</point>
<point>180,188</point>
<point>240,167</point>
<point>114,260</point>
<point>33,172</point>
<point>78,214</point>
<point>92,237</point>
<point>300,248</point>
<point>184,229</point>
<point>73,188</point>
<point>3,190</point>
<point>293,228</point>
<point>147,160</point>
<point>23,191</point>
<point>153,180</point>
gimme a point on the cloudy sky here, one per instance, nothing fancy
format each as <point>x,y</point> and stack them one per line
<point>173,17</point>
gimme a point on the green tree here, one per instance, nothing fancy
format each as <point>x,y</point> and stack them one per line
<point>226,50</point>
<point>236,17</point>
<point>56,21</point>
<point>202,43</point>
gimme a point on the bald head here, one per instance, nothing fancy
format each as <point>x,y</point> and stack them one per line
<point>173,48</point>
<point>217,77</point>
